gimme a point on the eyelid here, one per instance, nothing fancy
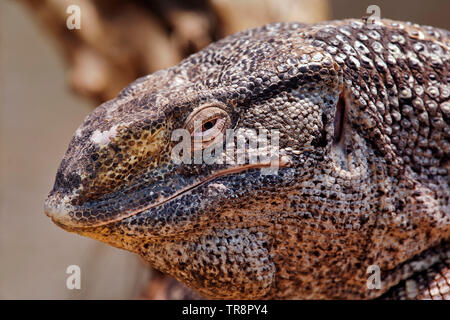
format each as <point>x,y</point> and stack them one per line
<point>205,113</point>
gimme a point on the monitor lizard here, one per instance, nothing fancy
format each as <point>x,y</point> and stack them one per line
<point>362,114</point>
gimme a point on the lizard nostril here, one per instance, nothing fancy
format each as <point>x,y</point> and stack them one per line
<point>66,182</point>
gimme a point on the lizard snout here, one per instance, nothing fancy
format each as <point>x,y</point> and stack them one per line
<point>103,164</point>
<point>59,210</point>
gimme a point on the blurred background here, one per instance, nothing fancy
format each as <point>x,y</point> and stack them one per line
<point>52,77</point>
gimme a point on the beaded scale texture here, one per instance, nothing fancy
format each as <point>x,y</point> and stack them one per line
<point>363,118</point>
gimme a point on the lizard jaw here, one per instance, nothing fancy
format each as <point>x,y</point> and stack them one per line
<point>61,211</point>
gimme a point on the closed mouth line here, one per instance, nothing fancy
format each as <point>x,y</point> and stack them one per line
<point>161,201</point>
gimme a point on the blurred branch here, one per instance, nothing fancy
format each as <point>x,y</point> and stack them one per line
<point>120,40</point>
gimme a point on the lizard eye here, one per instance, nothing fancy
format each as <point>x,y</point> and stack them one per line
<point>206,123</point>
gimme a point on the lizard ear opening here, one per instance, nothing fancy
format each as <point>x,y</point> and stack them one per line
<point>339,118</point>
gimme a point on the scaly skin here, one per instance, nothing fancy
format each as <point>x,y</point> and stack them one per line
<point>363,116</point>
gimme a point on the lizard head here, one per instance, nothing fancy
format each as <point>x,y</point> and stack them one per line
<point>119,181</point>
<point>154,171</point>
<point>126,157</point>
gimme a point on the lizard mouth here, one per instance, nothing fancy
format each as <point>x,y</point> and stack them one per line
<point>93,214</point>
